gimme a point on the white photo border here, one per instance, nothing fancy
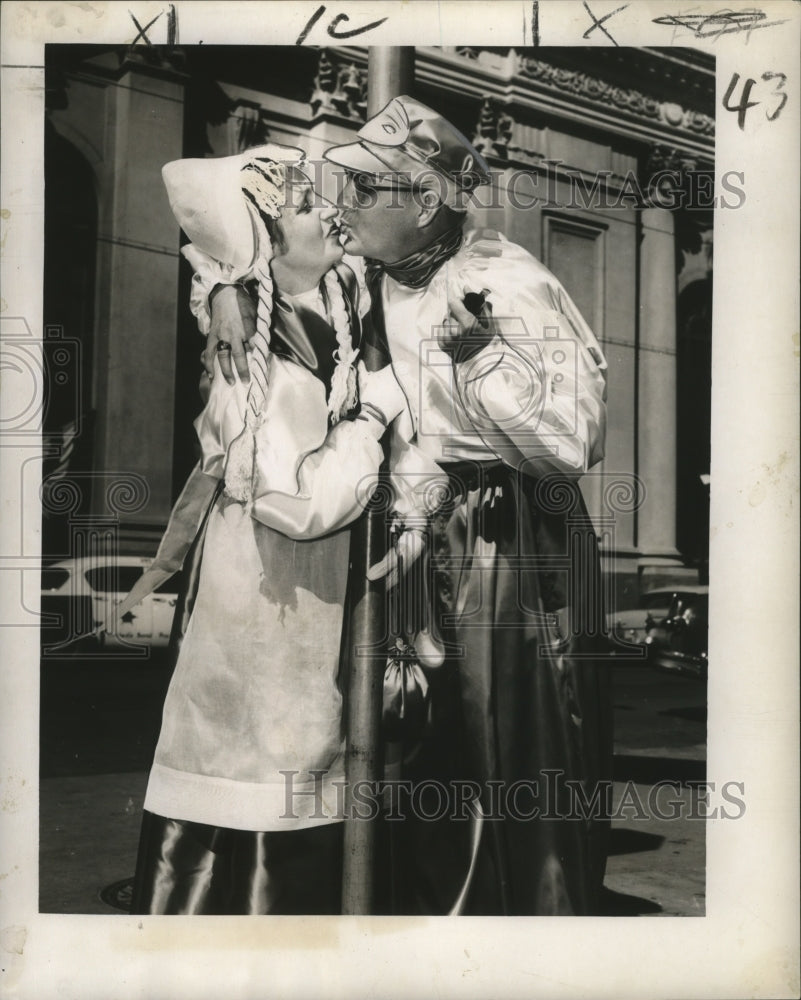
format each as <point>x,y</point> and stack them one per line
<point>747,944</point>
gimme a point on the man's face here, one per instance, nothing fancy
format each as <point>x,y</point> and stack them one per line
<point>378,217</point>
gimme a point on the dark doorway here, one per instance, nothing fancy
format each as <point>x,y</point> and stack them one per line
<point>70,250</point>
<point>693,421</point>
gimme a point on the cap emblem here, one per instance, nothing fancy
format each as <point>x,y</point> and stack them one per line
<point>390,128</point>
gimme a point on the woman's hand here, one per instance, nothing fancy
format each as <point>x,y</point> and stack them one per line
<point>233,320</point>
<point>400,557</point>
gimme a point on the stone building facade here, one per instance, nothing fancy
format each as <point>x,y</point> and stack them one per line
<point>602,162</point>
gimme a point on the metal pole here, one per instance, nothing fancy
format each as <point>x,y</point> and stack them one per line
<point>363,756</point>
<point>390,73</point>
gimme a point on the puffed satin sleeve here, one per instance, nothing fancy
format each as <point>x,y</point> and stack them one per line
<point>308,482</point>
<point>220,422</point>
<point>336,480</point>
<point>334,484</point>
<point>536,393</point>
<point>292,425</point>
<point>208,272</point>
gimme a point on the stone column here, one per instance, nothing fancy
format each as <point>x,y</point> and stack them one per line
<point>656,409</point>
<point>137,284</point>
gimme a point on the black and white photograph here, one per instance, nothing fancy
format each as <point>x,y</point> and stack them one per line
<point>402,480</point>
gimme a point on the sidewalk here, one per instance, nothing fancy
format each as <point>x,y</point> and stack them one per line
<point>657,866</point>
<point>90,829</point>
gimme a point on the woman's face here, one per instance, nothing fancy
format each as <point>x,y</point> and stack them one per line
<point>309,230</point>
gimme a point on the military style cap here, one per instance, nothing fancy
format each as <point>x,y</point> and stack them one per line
<point>409,139</point>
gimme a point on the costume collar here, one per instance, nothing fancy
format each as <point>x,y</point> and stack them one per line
<point>302,335</point>
<point>416,270</point>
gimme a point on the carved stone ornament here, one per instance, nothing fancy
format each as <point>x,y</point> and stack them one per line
<point>339,89</point>
<point>494,129</point>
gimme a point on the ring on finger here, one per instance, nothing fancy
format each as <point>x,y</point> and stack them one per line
<point>223,345</point>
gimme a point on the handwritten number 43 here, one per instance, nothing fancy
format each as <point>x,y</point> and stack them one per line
<point>745,103</point>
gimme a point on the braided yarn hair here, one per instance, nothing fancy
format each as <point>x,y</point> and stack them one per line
<point>263,184</point>
<point>343,395</point>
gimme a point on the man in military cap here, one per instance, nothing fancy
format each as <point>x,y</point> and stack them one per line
<point>505,386</point>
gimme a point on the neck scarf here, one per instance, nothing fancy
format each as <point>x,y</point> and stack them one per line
<point>416,270</point>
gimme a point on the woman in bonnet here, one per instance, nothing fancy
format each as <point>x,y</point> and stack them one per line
<point>241,811</point>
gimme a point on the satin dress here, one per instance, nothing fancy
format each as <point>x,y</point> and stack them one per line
<point>241,809</point>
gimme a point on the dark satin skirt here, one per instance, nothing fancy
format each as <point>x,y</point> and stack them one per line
<point>190,868</point>
<point>519,703</point>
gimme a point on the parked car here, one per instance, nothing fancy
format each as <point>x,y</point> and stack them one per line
<point>632,624</point>
<point>679,641</point>
<point>80,594</point>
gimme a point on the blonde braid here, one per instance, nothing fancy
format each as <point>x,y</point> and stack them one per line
<point>261,354</point>
<point>240,463</point>
<point>343,396</point>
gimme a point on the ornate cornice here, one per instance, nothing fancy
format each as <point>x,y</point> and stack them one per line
<point>537,92</point>
<point>533,89</point>
<point>626,99</point>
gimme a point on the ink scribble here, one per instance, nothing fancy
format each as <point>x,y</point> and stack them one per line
<point>596,23</point>
<point>723,22</point>
<point>333,26</point>
<point>172,27</point>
